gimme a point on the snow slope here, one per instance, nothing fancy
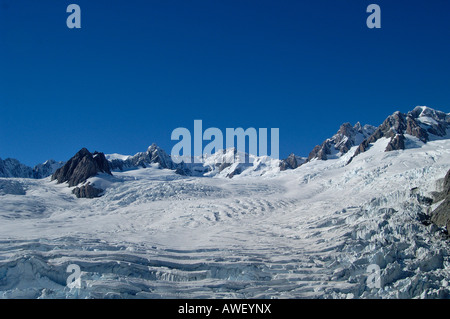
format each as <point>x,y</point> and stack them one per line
<point>304,233</point>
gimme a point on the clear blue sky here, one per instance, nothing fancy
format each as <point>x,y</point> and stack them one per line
<point>136,70</point>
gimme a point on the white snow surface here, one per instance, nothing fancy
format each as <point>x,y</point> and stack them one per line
<point>116,156</point>
<point>304,233</point>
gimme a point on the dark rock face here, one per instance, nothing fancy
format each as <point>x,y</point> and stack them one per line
<point>392,127</point>
<point>439,123</point>
<point>420,123</point>
<point>87,191</point>
<point>346,137</point>
<point>182,169</point>
<point>396,143</point>
<point>235,172</point>
<point>320,152</point>
<point>441,215</point>
<point>291,162</point>
<point>414,129</point>
<point>81,167</point>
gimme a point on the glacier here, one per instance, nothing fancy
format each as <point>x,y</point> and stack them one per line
<point>310,232</point>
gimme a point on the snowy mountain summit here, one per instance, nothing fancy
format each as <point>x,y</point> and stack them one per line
<point>347,137</point>
<point>414,128</point>
<point>410,130</point>
<point>153,155</point>
<point>11,167</point>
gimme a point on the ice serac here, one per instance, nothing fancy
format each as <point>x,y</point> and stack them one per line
<point>422,122</point>
<point>346,137</point>
<point>153,155</point>
<point>81,167</point>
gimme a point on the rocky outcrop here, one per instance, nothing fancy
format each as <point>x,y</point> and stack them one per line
<point>291,162</point>
<point>392,126</point>
<point>81,167</point>
<point>396,143</point>
<point>441,215</point>
<point>414,129</point>
<point>419,123</point>
<point>87,191</point>
<point>320,152</point>
<point>432,121</point>
<point>182,169</point>
<point>346,137</point>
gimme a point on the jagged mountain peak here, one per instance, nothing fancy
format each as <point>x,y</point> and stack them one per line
<point>421,123</point>
<point>292,162</point>
<point>82,166</point>
<point>346,137</point>
<point>11,167</point>
<point>422,111</point>
<point>153,155</point>
<point>47,168</point>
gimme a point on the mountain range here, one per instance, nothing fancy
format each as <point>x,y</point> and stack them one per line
<point>409,130</point>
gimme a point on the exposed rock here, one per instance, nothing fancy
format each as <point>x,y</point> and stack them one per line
<point>81,167</point>
<point>182,169</point>
<point>319,152</point>
<point>236,171</point>
<point>396,143</point>
<point>87,191</point>
<point>346,137</point>
<point>441,215</point>
<point>420,123</point>
<point>433,121</point>
<point>414,129</point>
<point>291,162</point>
<point>223,165</point>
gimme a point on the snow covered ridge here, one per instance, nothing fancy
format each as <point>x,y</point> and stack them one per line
<point>412,129</point>
<point>418,126</point>
<point>404,131</point>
